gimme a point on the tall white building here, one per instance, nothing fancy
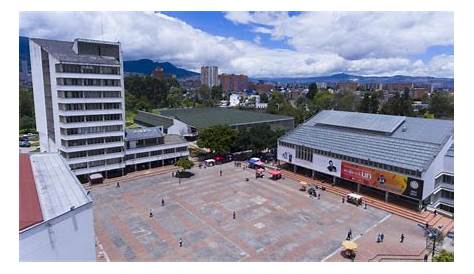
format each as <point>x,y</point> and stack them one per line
<point>79,103</point>
<point>210,76</point>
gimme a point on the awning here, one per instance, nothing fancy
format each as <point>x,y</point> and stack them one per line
<point>349,245</point>
<point>96,176</point>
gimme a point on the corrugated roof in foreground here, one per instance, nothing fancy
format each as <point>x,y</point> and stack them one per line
<point>57,187</point>
<point>30,209</point>
<point>63,51</point>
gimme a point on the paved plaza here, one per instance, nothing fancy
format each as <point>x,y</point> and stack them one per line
<point>274,220</point>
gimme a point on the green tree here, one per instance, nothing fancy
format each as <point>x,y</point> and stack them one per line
<point>444,256</point>
<point>441,105</point>
<point>175,97</point>
<point>323,100</point>
<point>399,104</point>
<point>216,93</point>
<point>369,103</point>
<point>312,90</point>
<point>185,163</point>
<point>263,98</point>
<point>26,110</point>
<point>346,101</point>
<point>217,138</point>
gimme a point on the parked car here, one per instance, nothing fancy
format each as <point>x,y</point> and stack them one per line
<point>25,143</point>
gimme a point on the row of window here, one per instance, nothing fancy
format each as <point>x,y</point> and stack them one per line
<point>145,142</point>
<point>93,152</point>
<point>90,118</point>
<point>306,154</point>
<point>155,153</point>
<point>447,194</point>
<point>91,141</point>
<point>96,163</point>
<point>89,94</point>
<point>90,130</point>
<point>88,82</point>
<point>89,106</point>
<point>70,68</point>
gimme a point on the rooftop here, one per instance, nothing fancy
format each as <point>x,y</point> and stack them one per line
<point>206,117</point>
<point>174,139</point>
<point>30,209</point>
<point>132,134</point>
<point>412,145</point>
<point>58,189</point>
<point>63,51</point>
<point>152,119</point>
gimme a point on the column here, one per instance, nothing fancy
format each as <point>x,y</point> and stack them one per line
<point>294,168</point>
<point>312,174</point>
<point>123,171</point>
<point>358,188</point>
<point>334,180</point>
<point>386,196</point>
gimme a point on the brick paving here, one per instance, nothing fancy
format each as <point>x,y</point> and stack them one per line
<point>274,221</point>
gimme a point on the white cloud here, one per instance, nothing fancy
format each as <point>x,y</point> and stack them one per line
<point>160,37</point>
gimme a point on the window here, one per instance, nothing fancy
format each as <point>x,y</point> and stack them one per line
<point>78,166</point>
<point>156,152</point>
<point>114,161</point>
<point>95,152</point>
<point>169,150</point>
<point>114,150</point>
<point>142,155</point>
<point>96,163</point>
<point>129,157</point>
<point>304,153</point>
<point>447,194</point>
<point>93,94</point>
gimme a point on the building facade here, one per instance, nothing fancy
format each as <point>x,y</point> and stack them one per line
<point>404,159</point>
<point>79,102</point>
<point>209,76</point>
<point>233,82</point>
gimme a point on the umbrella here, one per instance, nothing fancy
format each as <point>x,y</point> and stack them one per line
<point>303,183</point>
<point>350,245</point>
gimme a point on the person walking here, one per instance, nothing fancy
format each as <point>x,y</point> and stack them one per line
<point>220,172</point>
<point>378,238</point>
<point>402,238</point>
<point>425,258</point>
<point>180,242</point>
<point>365,206</point>
<point>151,213</point>
<point>162,202</point>
<point>118,185</point>
<point>233,215</point>
<point>343,199</point>
<point>382,237</point>
<point>319,196</point>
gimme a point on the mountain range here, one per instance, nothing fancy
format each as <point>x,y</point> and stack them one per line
<point>146,67</point>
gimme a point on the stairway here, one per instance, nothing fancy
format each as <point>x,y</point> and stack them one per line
<point>419,217</point>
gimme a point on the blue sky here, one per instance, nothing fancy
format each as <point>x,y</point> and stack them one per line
<point>268,44</point>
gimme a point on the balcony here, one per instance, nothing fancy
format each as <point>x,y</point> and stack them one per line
<point>94,158</point>
<point>92,146</point>
<point>90,100</point>
<point>156,158</point>
<point>89,112</point>
<point>93,124</point>
<point>92,135</point>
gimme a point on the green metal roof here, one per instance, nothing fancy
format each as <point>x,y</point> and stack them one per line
<point>206,117</point>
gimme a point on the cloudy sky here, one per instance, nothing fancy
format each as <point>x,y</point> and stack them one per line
<point>268,44</point>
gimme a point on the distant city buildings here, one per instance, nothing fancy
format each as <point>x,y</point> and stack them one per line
<point>209,76</point>
<point>233,82</point>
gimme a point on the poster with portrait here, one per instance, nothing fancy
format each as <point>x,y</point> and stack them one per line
<point>327,165</point>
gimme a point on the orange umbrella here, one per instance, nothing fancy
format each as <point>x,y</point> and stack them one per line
<point>349,245</point>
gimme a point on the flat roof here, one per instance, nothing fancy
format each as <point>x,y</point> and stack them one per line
<point>357,120</point>
<point>63,51</point>
<point>206,117</point>
<point>58,189</point>
<point>30,209</point>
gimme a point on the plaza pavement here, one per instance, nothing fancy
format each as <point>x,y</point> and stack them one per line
<point>274,221</point>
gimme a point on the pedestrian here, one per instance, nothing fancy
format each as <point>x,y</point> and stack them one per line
<point>233,215</point>
<point>220,172</point>
<point>151,213</point>
<point>319,196</point>
<point>343,199</point>
<point>162,202</point>
<point>350,233</point>
<point>427,225</point>
<point>378,238</point>
<point>172,174</point>
<point>365,206</point>
<point>402,237</point>
<point>118,184</point>
<point>382,237</point>
<point>435,212</point>
<point>425,258</point>
<point>180,242</point>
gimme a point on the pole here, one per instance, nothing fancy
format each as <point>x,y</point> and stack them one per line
<point>434,245</point>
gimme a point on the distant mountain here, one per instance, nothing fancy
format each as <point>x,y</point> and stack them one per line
<point>343,77</point>
<point>147,66</point>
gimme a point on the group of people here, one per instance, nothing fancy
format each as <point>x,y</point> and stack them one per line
<point>381,236</point>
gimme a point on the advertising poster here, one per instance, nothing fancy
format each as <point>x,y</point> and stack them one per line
<point>327,165</point>
<point>384,180</point>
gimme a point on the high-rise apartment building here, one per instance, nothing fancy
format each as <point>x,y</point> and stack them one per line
<point>79,102</point>
<point>209,76</point>
<point>233,82</point>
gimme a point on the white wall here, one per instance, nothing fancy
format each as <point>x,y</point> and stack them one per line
<point>38,95</point>
<point>319,163</point>
<point>436,167</point>
<point>179,128</point>
<point>69,238</point>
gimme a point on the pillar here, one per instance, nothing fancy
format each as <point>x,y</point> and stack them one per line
<point>135,167</point>
<point>106,174</point>
<point>294,168</point>
<point>386,196</point>
<point>162,162</point>
<point>358,188</point>
<point>149,165</point>
<point>123,171</point>
<point>312,174</point>
<point>334,180</point>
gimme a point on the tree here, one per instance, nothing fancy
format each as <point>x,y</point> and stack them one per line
<point>399,104</point>
<point>217,138</point>
<point>216,93</point>
<point>369,103</point>
<point>149,91</point>
<point>257,138</point>
<point>263,98</point>
<point>444,256</point>
<point>175,97</point>
<point>26,110</point>
<point>323,100</point>
<point>185,163</point>
<point>346,101</point>
<point>441,105</point>
<point>312,90</point>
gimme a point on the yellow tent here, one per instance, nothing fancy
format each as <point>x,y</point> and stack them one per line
<point>349,245</point>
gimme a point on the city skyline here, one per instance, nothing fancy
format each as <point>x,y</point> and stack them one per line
<point>269,44</point>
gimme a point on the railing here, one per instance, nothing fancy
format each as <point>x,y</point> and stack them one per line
<point>398,257</point>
